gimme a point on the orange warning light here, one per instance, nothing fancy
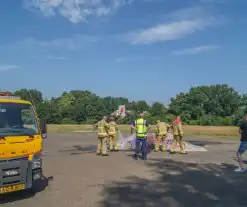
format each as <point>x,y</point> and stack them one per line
<point>6,94</point>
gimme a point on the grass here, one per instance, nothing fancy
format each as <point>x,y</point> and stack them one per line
<point>226,131</point>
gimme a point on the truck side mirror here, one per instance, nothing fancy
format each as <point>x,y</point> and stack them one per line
<point>43,128</point>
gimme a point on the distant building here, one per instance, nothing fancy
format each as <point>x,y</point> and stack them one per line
<point>122,112</point>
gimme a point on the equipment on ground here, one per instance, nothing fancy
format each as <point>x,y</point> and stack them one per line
<point>128,143</point>
<point>21,143</point>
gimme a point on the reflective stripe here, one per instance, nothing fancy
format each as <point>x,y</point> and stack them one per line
<point>102,135</point>
<point>162,129</point>
<point>112,129</point>
<point>177,129</point>
<point>102,131</point>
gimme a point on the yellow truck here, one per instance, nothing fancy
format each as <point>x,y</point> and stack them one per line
<point>21,144</point>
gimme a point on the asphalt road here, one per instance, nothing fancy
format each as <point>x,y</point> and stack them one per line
<point>75,176</point>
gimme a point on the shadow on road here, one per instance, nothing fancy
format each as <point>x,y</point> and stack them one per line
<point>202,143</point>
<point>39,186</point>
<point>78,150</point>
<point>173,183</point>
<point>82,150</point>
<point>244,161</point>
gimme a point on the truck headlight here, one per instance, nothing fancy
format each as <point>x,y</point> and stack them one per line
<point>37,160</point>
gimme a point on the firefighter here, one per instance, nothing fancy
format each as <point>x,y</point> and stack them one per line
<point>113,134</point>
<point>103,128</point>
<point>161,134</point>
<point>142,127</point>
<point>178,134</point>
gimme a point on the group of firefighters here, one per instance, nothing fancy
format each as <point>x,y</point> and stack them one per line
<point>107,131</point>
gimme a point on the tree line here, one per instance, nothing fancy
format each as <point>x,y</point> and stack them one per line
<point>215,105</point>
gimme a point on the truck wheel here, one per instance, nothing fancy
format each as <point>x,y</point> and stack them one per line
<point>37,186</point>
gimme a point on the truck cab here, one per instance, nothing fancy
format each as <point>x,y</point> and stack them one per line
<point>21,144</point>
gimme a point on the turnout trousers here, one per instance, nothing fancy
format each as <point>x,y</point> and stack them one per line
<point>178,139</point>
<point>113,142</point>
<point>162,139</point>
<point>102,149</point>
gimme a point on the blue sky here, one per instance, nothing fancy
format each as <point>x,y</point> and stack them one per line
<point>145,49</point>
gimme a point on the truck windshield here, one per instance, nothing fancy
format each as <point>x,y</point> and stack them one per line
<point>17,119</point>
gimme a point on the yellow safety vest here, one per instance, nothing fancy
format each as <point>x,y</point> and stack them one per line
<point>141,128</point>
<point>113,128</point>
<point>161,128</point>
<point>102,128</point>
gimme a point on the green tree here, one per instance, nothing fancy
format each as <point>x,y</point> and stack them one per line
<point>207,103</point>
<point>141,106</point>
<point>216,104</point>
<point>49,111</point>
<point>158,109</point>
<point>31,95</point>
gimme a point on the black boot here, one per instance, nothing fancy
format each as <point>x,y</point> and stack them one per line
<point>135,157</point>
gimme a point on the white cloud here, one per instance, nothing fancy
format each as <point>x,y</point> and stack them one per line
<point>178,24</point>
<point>165,32</point>
<point>4,68</point>
<point>195,50</point>
<point>76,10</point>
<point>71,43</point>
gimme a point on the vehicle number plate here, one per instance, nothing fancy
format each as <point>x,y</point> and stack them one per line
<point>12,188</point>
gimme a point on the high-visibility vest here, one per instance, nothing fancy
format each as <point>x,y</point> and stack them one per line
<point>141,128</point>
<point>161,128</point>
<point>113,128</point>
<point>102,128</point>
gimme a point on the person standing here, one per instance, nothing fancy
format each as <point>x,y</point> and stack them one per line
<point>161,134</point>
<point>103,128</point>
<point>142,127</point>
<point>113,134</point>
<point>178,134</point>
<point>243,145</point>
